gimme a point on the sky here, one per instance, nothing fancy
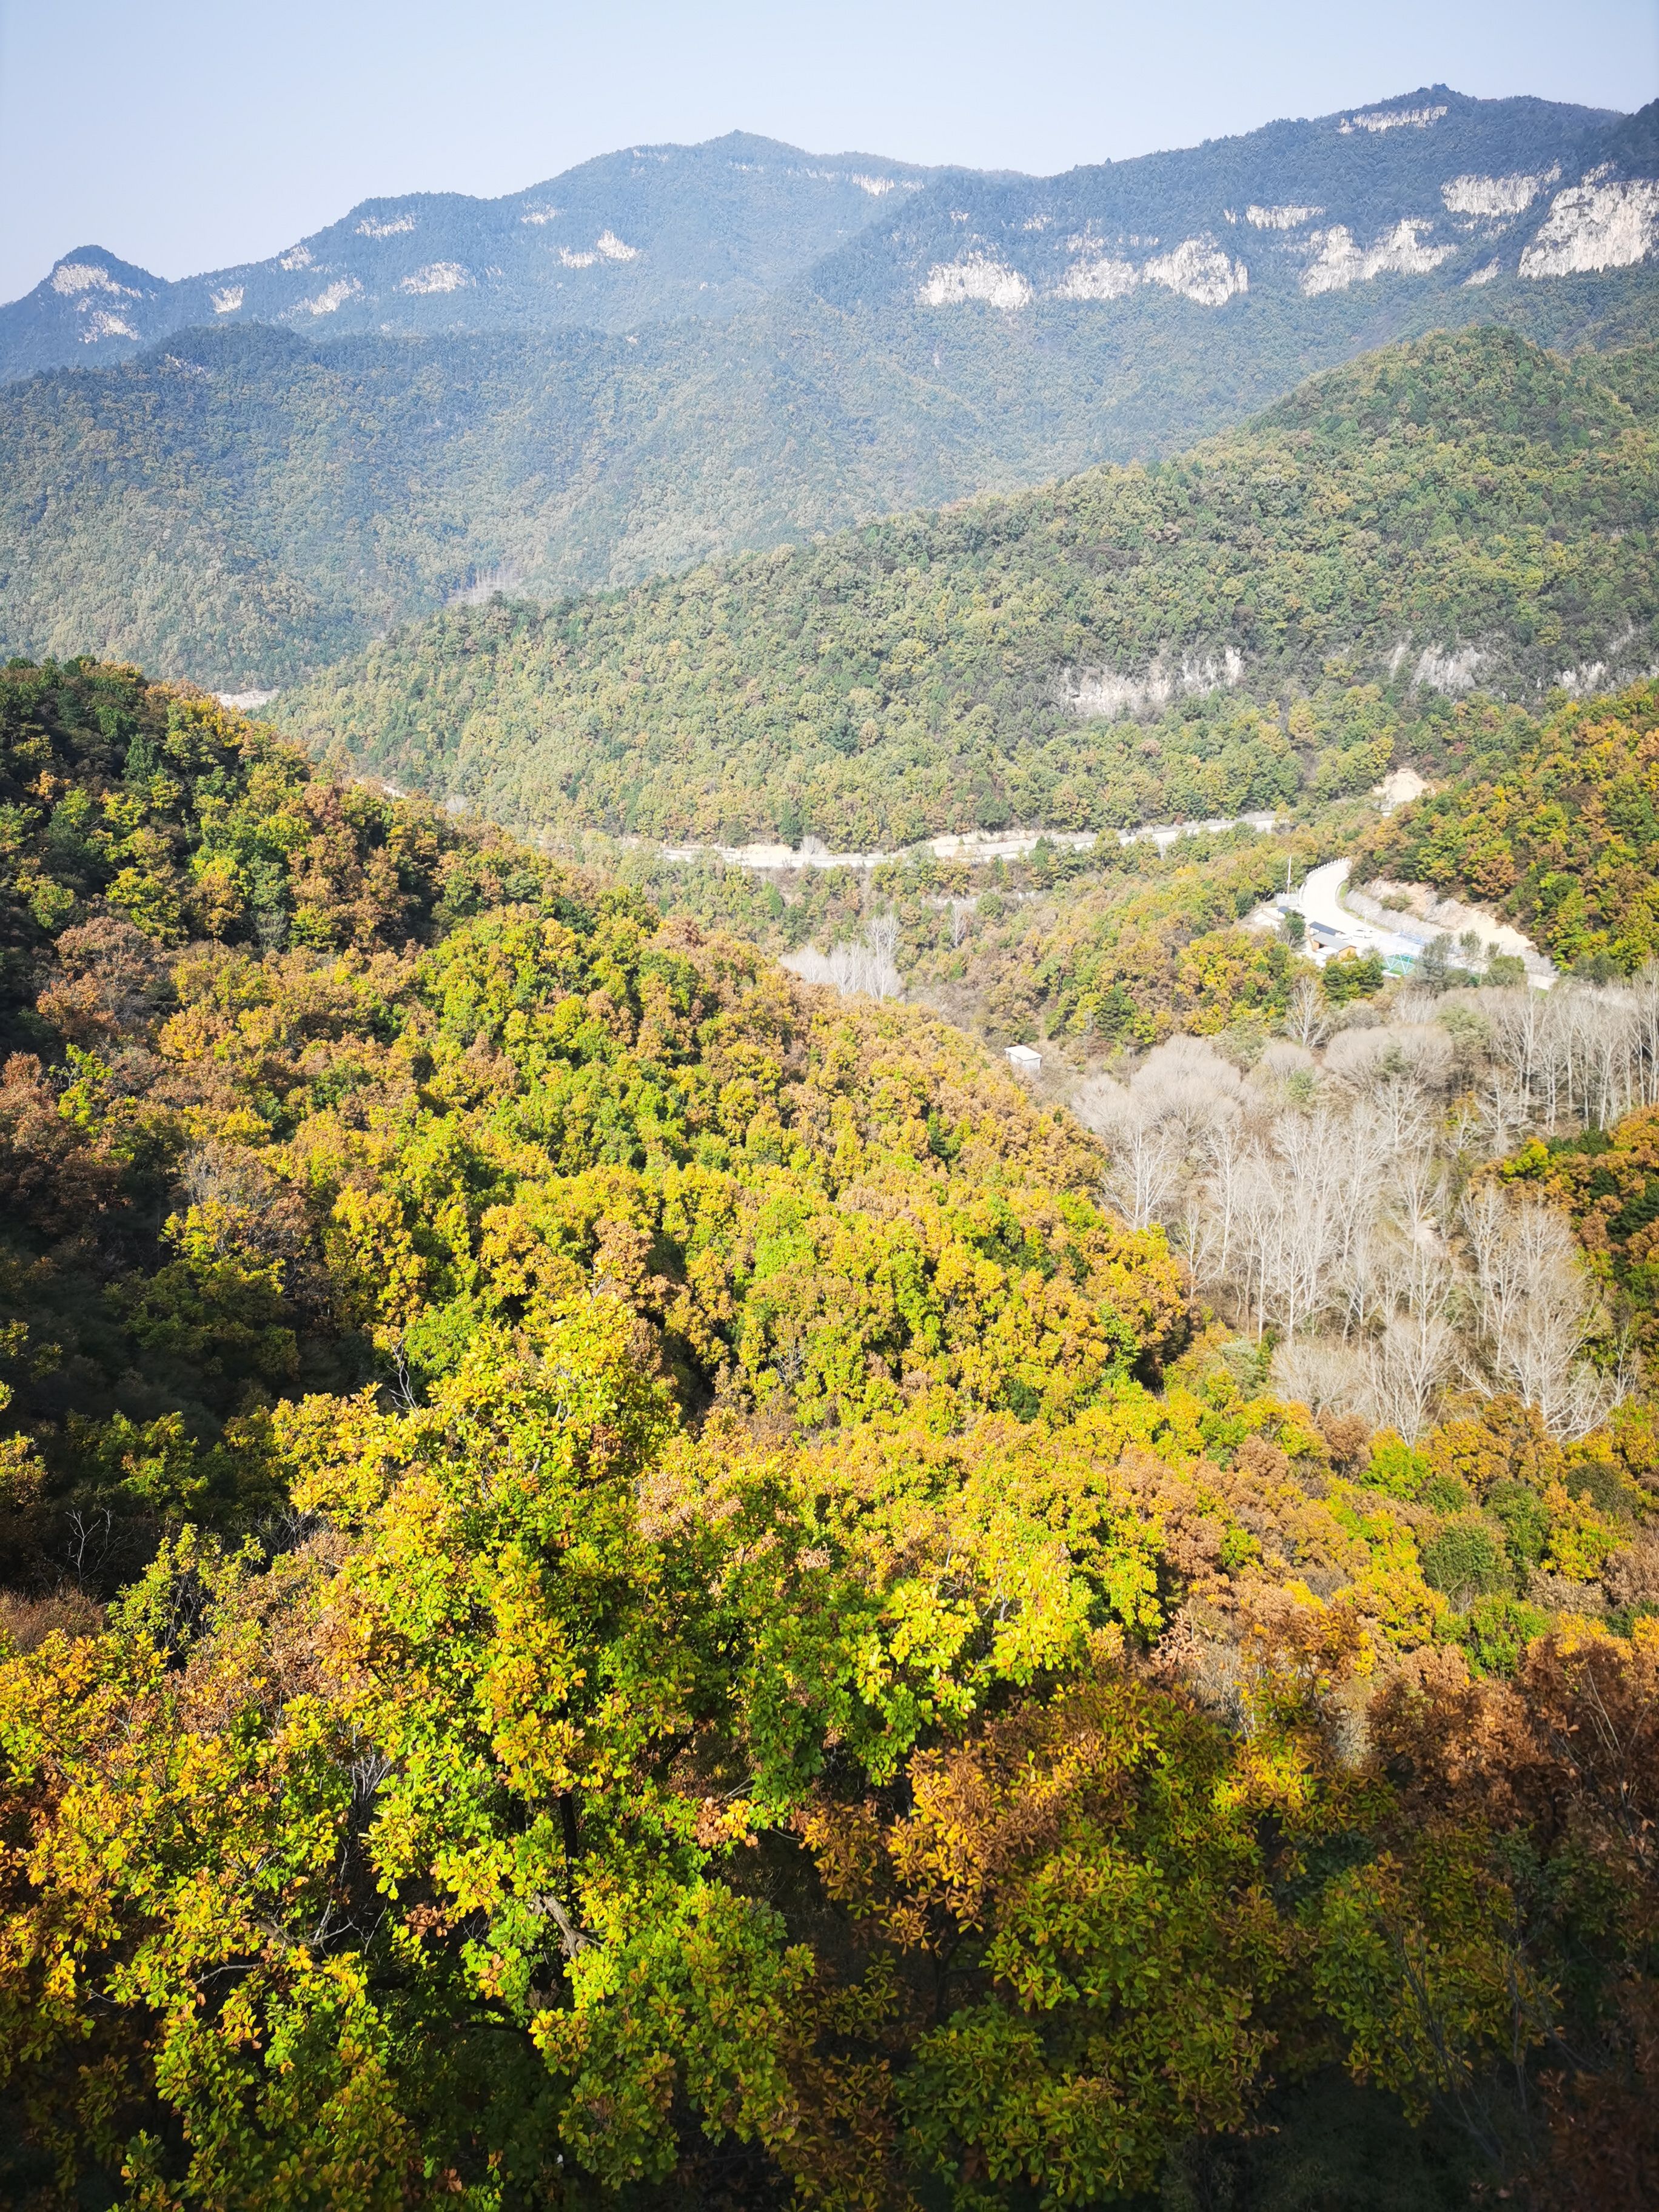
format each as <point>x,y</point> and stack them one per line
<point>187,134</point>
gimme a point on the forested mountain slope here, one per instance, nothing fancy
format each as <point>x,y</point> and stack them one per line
<point>1463,510</point>
<point>1432,186</point>
<point>246,506</point>
<point>251,505</point>
<point>241,505</point>
<point>195,926</point>
<point>1559,832</point>
<point>621,1587</point>
<point>1548,819</point>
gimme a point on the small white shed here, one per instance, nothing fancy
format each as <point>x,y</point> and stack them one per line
<point>1022,1057</point>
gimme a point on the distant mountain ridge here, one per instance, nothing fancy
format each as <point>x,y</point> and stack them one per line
<point>643,236</point>
<point>1150,301</point>
<point>1432,182</point>
<point>789,344</point>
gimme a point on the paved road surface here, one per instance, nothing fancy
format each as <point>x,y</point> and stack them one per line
<point>1322,903</point>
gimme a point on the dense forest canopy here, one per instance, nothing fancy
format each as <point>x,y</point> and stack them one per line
<point>1302,595</point>
<point>1559,831</point>
<point>626,1586</point>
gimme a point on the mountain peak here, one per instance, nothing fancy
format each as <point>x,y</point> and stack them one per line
<point>90,297</point>
<point>95,269</point>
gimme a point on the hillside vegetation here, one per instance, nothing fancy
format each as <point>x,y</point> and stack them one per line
<point>624,1586</point>
<point>244,505</point>
<point>249,504</point>
<point>1547,820</point>
<point>689,231</point>
<point>1562,833</point>
<point>1465,507</point>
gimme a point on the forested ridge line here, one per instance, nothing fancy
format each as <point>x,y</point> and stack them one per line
<point>1465,509</point>
<point>242,504</point>
<point>627,1585</point>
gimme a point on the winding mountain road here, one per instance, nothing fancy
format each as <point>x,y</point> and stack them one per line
<point>1320,900</point>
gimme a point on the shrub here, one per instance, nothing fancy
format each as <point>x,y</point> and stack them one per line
<point>1466,1561</point>
<point>1496,1630</point>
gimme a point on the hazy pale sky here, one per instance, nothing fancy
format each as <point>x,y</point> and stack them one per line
<point>185,134</point>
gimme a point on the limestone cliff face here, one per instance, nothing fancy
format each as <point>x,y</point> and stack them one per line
<point>1432,189</point>
<point>1599,224</point>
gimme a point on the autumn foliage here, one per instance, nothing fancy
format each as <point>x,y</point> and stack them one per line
<point>623,1589</point>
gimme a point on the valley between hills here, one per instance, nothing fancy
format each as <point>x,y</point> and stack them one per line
<point>686,1530</point>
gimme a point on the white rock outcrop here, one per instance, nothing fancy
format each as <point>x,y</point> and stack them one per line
<point>1198,269</point>
<point>1398,788</point>
<point>1580,682</point>
<point>332,297</point>
<point>1106,277</point>
<point>374,226</point>
<point>1337,261</point>
<point>438,276</point>
<point>228,300</point>
<point>975,277</point>
<point>297,257</point>
<point>1495,196</point>
<point>570,260</point>
<point>1091,692</point>
<point>1619,667</point>
<point>1595,226</point>
<point>70,277</point>
<point>101,324</point>
<point>1483,276</point>
<point>1280,218</point>
<point>877,187</point>
<point>608,245</point>
<point>1391,119</point>
<point>1457,669</point>
<point>539,214</point>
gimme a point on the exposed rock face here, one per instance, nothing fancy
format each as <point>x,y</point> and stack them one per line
<point>438,276</point>
<point>975,277</point>
<point>1106,277</point>
<point>1196,269</point>
<point>1457,669</point>
<point>1280,218</point>
<point>1393,119</point>
<point>1495,196</point>
<point>1338,261</point>
<point>1105,691</point>
<point>1595,226</point>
